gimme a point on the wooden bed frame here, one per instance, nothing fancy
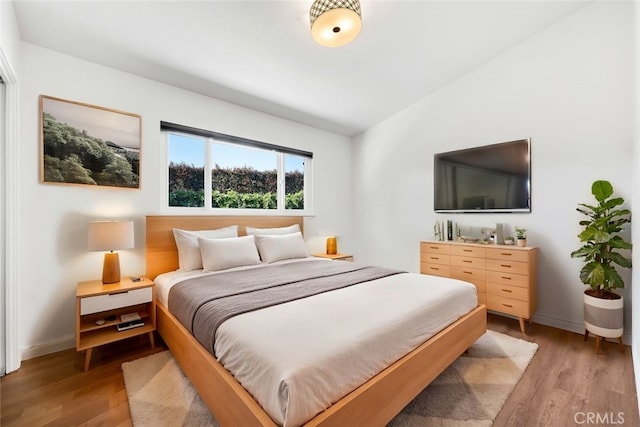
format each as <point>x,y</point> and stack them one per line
<point>375,402</point>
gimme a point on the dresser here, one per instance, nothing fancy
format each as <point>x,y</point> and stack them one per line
<point>504,276</point>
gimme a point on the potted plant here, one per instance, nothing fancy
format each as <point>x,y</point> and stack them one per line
<point>508,240</point>
<point>521,236</point>
<point>602,243</point>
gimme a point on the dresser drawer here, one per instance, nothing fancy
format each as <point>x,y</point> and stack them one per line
<point>105,302</point>
<point>468,251</point>
<point>466,261</point>
<point>434,269</point>
<point>506,278</point>
<point>435,248</point>
<point>435,258</point>
<point>469,274</point>
<point>507,305</point>
<point>508,254</point>
<point>508,266</point>
<point>506,291</point>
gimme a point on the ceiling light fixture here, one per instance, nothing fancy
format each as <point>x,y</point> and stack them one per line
<point>335,23</point>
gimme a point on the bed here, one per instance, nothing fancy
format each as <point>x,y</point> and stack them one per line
<point>388,391</point>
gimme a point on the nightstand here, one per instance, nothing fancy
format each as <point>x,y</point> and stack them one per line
<point>99,307</point>
<point>338,257</point>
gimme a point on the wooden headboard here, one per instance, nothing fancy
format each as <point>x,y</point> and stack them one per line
<point>162,253</point>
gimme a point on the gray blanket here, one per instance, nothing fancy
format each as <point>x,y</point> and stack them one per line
<point>201,304</point>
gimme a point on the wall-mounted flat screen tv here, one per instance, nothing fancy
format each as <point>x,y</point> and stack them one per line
<point>491,178</point>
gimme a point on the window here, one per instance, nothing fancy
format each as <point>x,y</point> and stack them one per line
<point>216,171</point>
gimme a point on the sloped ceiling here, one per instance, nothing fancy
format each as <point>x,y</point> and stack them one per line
<point>260,54</point>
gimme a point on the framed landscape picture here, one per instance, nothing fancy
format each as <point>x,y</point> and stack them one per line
<point>88,145</point>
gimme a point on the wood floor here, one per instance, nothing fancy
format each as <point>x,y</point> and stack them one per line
<point>563,385</point>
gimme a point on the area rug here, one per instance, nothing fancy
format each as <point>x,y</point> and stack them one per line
<point>470,392</point>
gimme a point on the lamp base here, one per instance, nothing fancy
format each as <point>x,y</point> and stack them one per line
<point>111,268</point>
<point>332,245</point>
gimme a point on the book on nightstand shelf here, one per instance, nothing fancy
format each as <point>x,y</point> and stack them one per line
<point>128,317</point>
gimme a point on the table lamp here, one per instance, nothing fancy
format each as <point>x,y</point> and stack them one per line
<point>332,245</point>
<point>110,236</point>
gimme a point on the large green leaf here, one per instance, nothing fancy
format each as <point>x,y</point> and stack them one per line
<point>618,242</point>
<point>601,190</point>
<point>592,274</point>
<point>619,259</point>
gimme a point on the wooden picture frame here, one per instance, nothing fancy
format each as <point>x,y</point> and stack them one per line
<point>84,144</point>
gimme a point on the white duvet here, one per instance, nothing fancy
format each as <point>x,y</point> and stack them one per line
<point>297,358</point>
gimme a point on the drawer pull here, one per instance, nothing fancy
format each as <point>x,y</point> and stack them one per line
<point>434,257</point>
<point>434,248</point>
<point>467,272</point>
<point>467,250</point>
<point>505,265</point>
<point>434,268</point>
<point>505,253</point>
<point>467,261</point>
<point>505,277</point>
<point>507,290</point>
<point>507,305</point>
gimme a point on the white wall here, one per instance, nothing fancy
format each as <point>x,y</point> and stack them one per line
<point>568,88</point>
<point>53,230</point>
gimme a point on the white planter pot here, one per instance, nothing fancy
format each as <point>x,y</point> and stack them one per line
<point>604,317</point>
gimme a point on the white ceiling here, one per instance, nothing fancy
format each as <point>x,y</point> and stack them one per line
<point>260,54</point>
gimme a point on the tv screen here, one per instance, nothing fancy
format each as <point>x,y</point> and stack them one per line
<point>491,178</point>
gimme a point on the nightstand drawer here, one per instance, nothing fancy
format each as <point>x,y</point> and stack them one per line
<point>105,302</point>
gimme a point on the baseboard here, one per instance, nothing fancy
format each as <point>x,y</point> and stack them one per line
<point>48,348</point>
<point>577,327</point>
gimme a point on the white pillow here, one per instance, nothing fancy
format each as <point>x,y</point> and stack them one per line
<point>187,242</point>
<point>272,231</point>
<point>220,254</point>
<point>282,246</point>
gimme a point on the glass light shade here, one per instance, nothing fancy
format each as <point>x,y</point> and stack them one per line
<point>110,235</point>
<point>335,23</point>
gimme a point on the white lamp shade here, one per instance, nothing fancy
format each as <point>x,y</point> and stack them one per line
<point>335,23</point>
<point>110,235</point>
